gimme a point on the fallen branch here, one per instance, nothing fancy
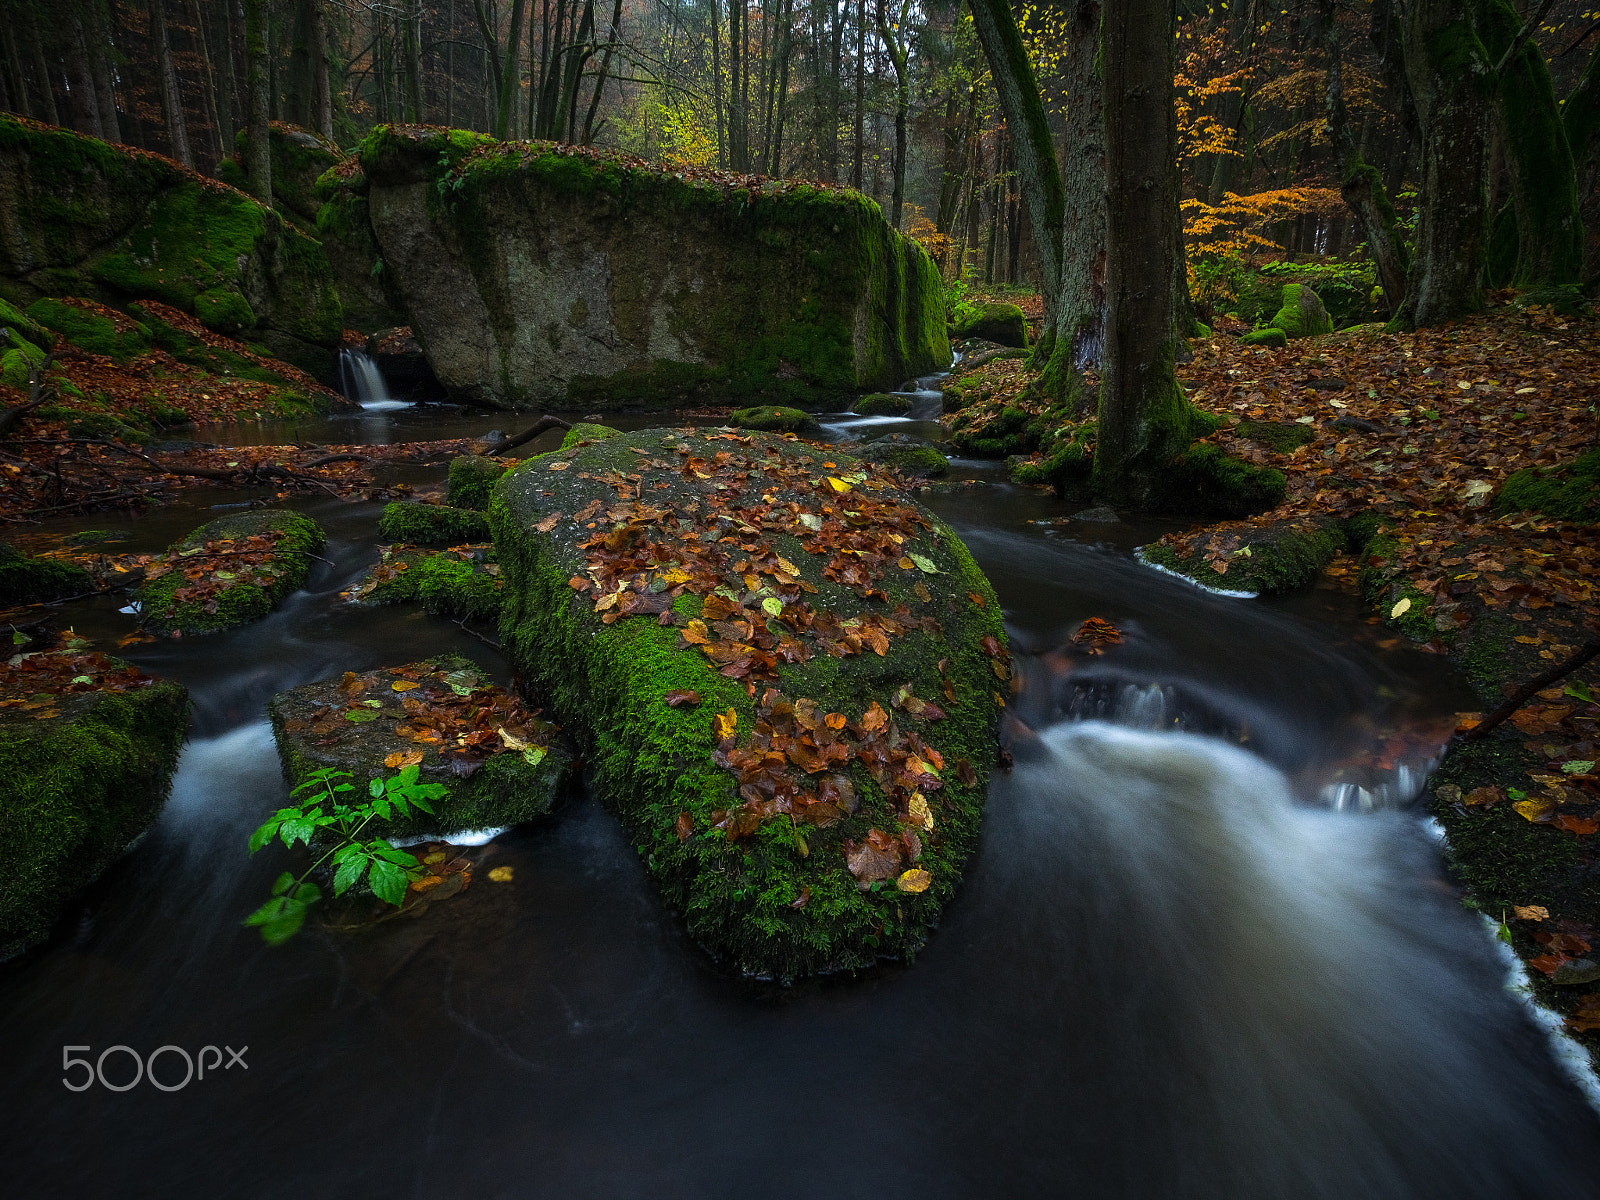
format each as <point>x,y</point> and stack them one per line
<point>527,435</point>
<point>493,645</point>
<point>1524,693</point>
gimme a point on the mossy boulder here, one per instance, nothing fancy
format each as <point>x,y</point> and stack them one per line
<point>539,274</point>
<point>1272,337</point>
<point>299,159</point>
<point>1003,324</point>
<point>985,431</point>
<point>24,329</point>
<point>449,719</point>
<point>1569,493</point>
<point>913,459</point>
<point>92,327</point>
<point>1285,437</point>
<point>1268,559</point>
<point>587,431</point>
<point>114,224</point>
<point>757,705</point>
<point>463,582</point>
<point>882,404</point>
<point>773,419</point>
<point>471,478</point>
<point>242,567</point>
<point>1205,481</point>
<point>1302,314</point>
<point>1065,466</point>
<point>25,579</point>
<point>84,770</point>
<point>417,524</point>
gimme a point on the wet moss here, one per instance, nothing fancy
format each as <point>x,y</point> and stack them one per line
<point>76,791</point>
<point>1302,314</point>
<point>431,524</point>
<point>882,404</point>
<point>916,462</point>
<point>1569,493</point>
<point>771,418</point>
<point>1273,559</point>
<point>25,329</point>
<point>89,330</point>
<point>995,322</point>
<point>28,580</point>
<point>1285,437</point>
<point>587,431</point>
<point>224,310</point>
<point>781,902</point>
<point>1205,480</point>
<point>471,478</point>
<point>1275,338</point>
<point>240,603</point>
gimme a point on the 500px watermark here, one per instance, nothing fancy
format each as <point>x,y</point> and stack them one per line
<point>144,1068</point>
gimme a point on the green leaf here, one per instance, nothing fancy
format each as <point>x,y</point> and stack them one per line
<point>307,894</point>
<point>264,834</point>
<point>381,807</point>
<point>279,920</point>
<point>298,830</point>
<point>534,755</point>
<point>408,774</point>
<point>361,715</point>
<point>1578,766</point>
<point>373,703</point>
<point>924,564</point>
<point>375,788</point>
<point>772,606</point>
<point>388,881</point>
<point>1580,691</point>
<point>349,872</point>
<point>283,883</point>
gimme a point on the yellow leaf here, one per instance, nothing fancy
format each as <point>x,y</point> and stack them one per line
<point>1535,808</point>
<point>500,875</point>
<point>675,575</point>
<point>920,814</point>
<point>838,485</point>
<point>725,724</point>
<point>403,758</point>
<point>914,880</point>
<point>787,565</point>
<point>403,685</point>
<point>1402,605</point>
<point>1533,912</point>
<point>905,564</point>
<point>511,740</point>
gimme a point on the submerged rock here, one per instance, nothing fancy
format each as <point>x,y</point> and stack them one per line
<point>772,419</point>
<point>500,763</point>
<point>417,524</point>
<point>233,571</point>
<point>787,677</point>
<point>87,749</point>
<point>25,579</point>
<point>537,274</point>
<point>462,582</point>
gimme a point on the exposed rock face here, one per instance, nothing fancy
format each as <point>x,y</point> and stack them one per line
<point>79,217</point>
<point>786,676</point>
<point>539,275</point>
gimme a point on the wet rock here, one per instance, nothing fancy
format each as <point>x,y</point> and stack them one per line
<point>87,749</point>
<point>1003,324</point>
<point>25,579</point>
<point>1579,970</point>
<point>233,571</point>
<point>416,524</point>
<point>587,431</point>
<point>773,419</point>
<point>462,583</point>
<point>701,625</point>
<point>471,478</point>
<point>1100,514</point>
<point>1266,560</point>
<point>882,404</point>
<point>1327,383</point>
<point>501,763</point>
<point>1357,425</point>
<point>400,359</point>
<point>1283,436</point>
<point>908,456</point>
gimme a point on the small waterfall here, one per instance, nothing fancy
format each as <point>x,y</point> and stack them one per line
<point>360,379</point>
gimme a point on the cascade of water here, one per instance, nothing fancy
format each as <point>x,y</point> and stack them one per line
<point>360,379</point>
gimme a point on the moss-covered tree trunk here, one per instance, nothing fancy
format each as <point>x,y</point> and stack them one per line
<point>258,105</point>
<point>1081,305</point>
<point>1359,182</point>
<point>1544,184</point>
<point>1448,74</point>
<point>1144,418</point>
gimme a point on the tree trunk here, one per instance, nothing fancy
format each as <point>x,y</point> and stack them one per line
<point>508,76</point>
<point>897,42</point>
<point>1078,336</point>
<point>321,90</point>
<point>1359,183</point>
<point>41,69</point>
<point>19,82</point>
<point>1144,418</point>
<point>411,48</point>
<point>171,92</point>
<point>85,104</point>
<point>258,135</point>
<point>716,84</point>
<point>1580,115</point>
<point>1447,72</point>
<point>859,150</point>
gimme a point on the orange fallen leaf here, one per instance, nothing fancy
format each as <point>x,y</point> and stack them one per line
<point>1531,912</point>
<point>1579,826</point>
<point>402,758</point>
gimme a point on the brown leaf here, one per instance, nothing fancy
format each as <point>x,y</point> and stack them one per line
<point>682,698</point>
<point>683,826</point>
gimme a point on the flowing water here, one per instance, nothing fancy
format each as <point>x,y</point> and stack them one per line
<point>1176,969</point>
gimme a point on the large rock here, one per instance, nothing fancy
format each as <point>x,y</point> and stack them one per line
<point>87,749</point>
<point>996,322</point>
<point>230,572</point>
<point>499,763</point>
<point>537,274</point>
<point>788,677</point>
<point>299,158</point>
<point>80,217</point>
<point>1302,314</point>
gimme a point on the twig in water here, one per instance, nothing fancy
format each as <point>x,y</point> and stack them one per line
<point>493,645</point>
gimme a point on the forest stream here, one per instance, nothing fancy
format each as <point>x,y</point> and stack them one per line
<point>1205,948</point>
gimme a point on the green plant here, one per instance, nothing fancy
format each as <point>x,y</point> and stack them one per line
<point>322,815</point>
<point>958,307</point>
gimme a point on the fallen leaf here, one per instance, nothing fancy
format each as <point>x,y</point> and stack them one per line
<point>402,758</point>
<point>682,698</point>
<point>1403,605</point>
<point>1578,826</point>
<point>726,724</point>
<point>1535,808</point>
<point>501,875</point>
<point>404,685</point>
<point>914,880</point>
<point>1531,912</point>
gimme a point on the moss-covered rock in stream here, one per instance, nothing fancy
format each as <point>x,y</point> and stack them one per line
<point>882,404</point>
<point>538,274</point>
<point>500,764</point>
<point>84,769</point>
<point>114,224</point>
<point>797,739</point>
<point>587,431</point>
<point>418,524</point>
<point>1265,560</point>
<point>235,570</point>
<point>25,579</point>
<point>1302,314</point>
<point>998,322</point>
<point>463,582</point>
<point>1205,480</point>
<point>471,478</point>
<point>906,456</point>
<point>1570,492</point>
<point>774,419</point>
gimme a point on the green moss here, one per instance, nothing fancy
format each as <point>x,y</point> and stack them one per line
<point>27,580</point>
<point>780,903</point>
<point>240,603</point>
<point>995,322</point>
<point>587,431</point>
<point>916,462</point>
<point>1302,314</point>
<point>89,330</point>
<point>224,310</point>
<point>29,335</point>
<point>1205,480</point>
<point>471,478</point>
<point>431,524</point>
<point>1273,337</point>
<point>882,404</point>
<point>770,418</point>
<point>1283,436</point>
<point>1010,431</point>
<point>75,792</point>
<point>97,424</point>
<point>1569,493</point>
<point>1272,559</point>
<point>17,366</point>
